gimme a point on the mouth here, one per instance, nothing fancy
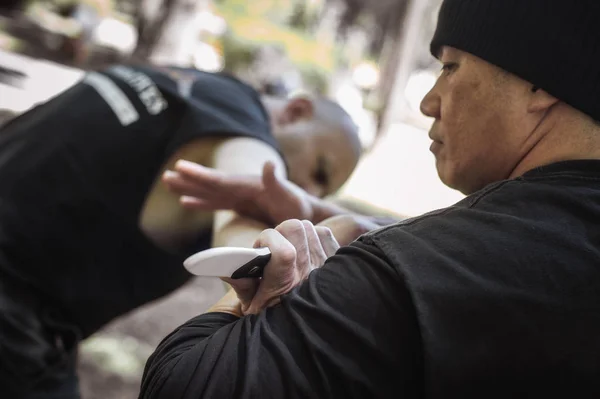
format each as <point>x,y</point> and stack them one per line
<point>435,147</point>
<point>436,144</point>
<point>435,139</point>
<point>433,131</point>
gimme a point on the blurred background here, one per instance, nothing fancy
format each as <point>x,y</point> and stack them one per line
<point>372,56</point>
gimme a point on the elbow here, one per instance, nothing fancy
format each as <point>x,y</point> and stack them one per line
<point>182,375</point>
<point>162,379</point>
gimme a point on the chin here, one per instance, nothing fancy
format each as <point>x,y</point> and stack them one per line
<point>443,175</point>
<point>466,188</point>
<point>452,182</point>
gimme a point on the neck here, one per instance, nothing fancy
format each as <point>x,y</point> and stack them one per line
<point>563,134</point>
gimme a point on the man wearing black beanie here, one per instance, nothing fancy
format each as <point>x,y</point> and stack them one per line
<point>495,297</point>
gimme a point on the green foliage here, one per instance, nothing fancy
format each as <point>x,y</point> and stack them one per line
<point>237,52</point>
<point>316,79</point>
<point>302,16</point>
<point>265,22</point>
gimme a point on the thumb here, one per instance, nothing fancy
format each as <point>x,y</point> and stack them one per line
<point>245,288</point>
<point>271,179</point>
<point>269,176</point>
<point>283,252</point>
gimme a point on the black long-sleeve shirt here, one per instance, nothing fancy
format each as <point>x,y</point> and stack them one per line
<point>497,296</point>
<point>297,349</point>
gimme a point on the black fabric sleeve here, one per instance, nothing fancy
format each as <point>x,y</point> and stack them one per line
<point>350,331</point>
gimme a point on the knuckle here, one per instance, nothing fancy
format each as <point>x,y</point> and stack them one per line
<point>267,232</point>
<point>307,224</point>
<point>287,254</point>
<point>291,226</point>
<point>264,237</point>
<point>324,232</point>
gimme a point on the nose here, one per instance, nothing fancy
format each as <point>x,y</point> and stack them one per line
<point>431,104</point>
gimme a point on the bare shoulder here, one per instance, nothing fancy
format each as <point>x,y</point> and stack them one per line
<point>165,221</point>
<point>245,155</point>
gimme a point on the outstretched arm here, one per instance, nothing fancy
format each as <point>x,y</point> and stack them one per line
<point>230,228</point>
<point>270,198</point>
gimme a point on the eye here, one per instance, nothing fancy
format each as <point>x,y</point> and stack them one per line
<point>320,176</point>
<point>449,67</point>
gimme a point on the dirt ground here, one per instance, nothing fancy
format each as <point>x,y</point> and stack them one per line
<point>112,361</point>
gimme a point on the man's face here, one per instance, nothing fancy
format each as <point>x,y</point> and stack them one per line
<point>320,160</point>
<point>481,126</point>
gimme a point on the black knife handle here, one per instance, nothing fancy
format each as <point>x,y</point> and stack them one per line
<point>252,269</point>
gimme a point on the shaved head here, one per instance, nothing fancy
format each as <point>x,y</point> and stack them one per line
<point>319,141</point>
<point>332,115</point>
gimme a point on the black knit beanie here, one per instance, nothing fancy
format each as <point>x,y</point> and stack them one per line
<point>553,44</point>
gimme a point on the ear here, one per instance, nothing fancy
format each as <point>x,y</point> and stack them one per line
<point>540,100</point>
<point>296,109</point>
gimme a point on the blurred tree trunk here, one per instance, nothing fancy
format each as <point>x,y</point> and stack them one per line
<point>180,35</point>
<point>173,44</point>
<point>388,62</point>
<point>403,60</point>
<point>151,17</point>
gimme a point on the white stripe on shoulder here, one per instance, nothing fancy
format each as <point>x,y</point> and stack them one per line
<point>114,97</point>
<point>185,87</point>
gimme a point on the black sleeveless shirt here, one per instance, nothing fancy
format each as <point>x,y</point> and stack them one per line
<point>75,173</point>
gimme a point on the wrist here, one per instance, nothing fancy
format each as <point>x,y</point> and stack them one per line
<point>322,210</point>
<point>229,303</point>
<point>319,212</point>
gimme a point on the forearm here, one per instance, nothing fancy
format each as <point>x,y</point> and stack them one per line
<point>323,209</point>
<point>382,221</point>
<point>237,232</point>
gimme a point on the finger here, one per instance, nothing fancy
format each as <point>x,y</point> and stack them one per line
<point>328,241</point>
<point>180,184</point>
<point>207,180</point>
<point>272,181</point>
<point>269,176</point>
<point>179,181</point>
<point>170,175</point>
<point>216,183</point>
<point>245,288</point>
<point>293,230</point>
<point>283,253</point>
<point>198,204</point>
<point>279,276</point>
<point>198,172</point>
<point>315,249</point>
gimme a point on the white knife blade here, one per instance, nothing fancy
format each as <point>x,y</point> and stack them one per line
<point>230,262</point>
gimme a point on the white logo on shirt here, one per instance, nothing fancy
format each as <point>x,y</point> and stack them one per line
<point>114,97</point>
<point>147,91</point>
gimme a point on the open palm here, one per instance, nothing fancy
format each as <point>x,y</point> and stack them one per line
<point>267,198</point>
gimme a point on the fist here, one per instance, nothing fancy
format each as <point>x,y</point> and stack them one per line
<point>297,247</point>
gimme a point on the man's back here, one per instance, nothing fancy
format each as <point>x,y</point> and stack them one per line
<point>505,285</point>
